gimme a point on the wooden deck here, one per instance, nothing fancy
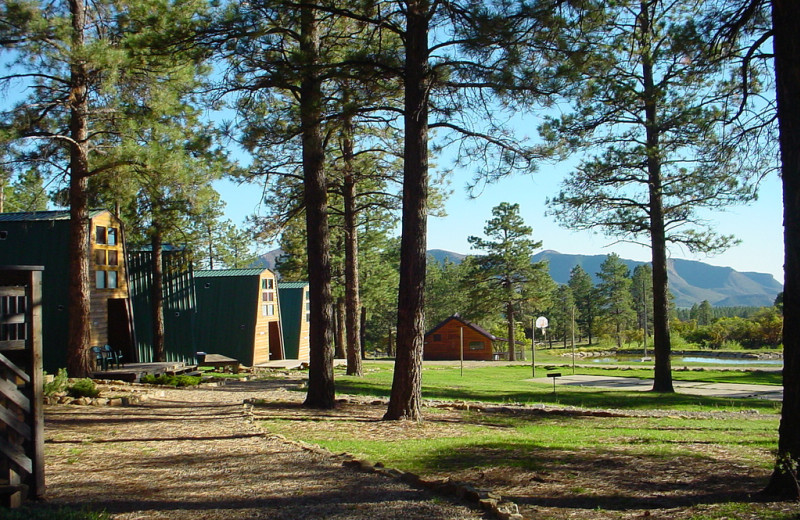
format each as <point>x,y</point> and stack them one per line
<point>133,372</point>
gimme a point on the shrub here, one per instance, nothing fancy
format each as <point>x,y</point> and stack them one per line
<point>167,380</point>
<point>83,388</point>
<point>58,384</point>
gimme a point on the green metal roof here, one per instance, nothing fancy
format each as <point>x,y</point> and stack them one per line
<point>28,216</point>
<point>225,273</point>
<point>291,285</point>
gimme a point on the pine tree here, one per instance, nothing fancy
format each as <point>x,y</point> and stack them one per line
<point>504,276</point>
<point>656,107</point>
<point>615,295</point>
<point>586,300</point>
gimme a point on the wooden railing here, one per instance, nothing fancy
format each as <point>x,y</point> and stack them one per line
<point>21,385</point>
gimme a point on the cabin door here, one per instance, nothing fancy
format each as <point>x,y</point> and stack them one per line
<point>120,327</point>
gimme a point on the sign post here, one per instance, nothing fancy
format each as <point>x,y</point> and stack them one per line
<point>541,322</point>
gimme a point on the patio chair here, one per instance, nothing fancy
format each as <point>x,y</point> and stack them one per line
<point>113,357</point>
<point>100,359</point>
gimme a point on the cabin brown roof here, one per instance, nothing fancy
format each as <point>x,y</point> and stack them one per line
<point>477,328</point>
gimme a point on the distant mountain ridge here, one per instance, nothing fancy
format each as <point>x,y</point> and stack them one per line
<point>690,281</point>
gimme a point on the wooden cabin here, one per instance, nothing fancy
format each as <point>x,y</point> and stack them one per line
<point>42,238</point>
<point>444,341</point>
<point>238,315</point>
<point>295,318</point>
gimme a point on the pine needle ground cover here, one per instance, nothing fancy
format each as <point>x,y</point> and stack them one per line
<point>620,455</point>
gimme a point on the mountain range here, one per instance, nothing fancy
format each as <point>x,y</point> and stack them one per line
<point>690,281</point>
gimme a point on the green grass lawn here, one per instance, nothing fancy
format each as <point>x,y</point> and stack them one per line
<point>511,384</point>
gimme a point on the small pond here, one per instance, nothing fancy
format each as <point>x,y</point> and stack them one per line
<point>710,360</point>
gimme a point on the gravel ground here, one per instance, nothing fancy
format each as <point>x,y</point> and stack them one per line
<point>194,454</point>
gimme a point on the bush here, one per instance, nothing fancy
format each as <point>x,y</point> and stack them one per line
<point>58,384</point>
<point>167,380</point>
<point>83,388</point>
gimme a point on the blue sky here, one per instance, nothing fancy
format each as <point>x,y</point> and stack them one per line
<point>758,225</point>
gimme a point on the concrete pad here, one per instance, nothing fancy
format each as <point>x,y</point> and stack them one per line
<point>731,390</point>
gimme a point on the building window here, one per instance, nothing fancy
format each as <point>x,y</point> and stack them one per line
<point>113,257</point>
<point>263,310</point>
<point>268,296</point>
<point>100,279</point>
<point>270,310</point>
<point>308,317</point>
<point>106,279</point>
<point>100,257</point>
<point>476,345</point>
<point>270,283</point>
<point>111,279</point>
<point>106,235</point>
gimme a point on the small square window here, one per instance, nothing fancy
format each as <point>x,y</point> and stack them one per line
<point>270,283</point>
<point>113,257</point>
<point>100,279</point>
<point>99,257</point>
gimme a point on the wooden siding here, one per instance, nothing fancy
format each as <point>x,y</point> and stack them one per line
<point>444,342</point>
<point>267,311</point>
<point>99,296</point>
<point>304,347</point>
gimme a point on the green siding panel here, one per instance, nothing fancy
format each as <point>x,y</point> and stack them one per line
<point>179,305</point>
<point>227,306</point>
<point>45,243</point>
<point>290,296</point>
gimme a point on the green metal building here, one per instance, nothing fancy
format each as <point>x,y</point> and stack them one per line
<point>42,238</point>
<point>180,306</point>
<point>295,319</point>
<point>238,315</point>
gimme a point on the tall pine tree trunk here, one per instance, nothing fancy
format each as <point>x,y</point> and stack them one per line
<point>406,396</point>
<point>157,295</point>
<point>339,336</point>
<point>321,392</point>
<point>78,360</point>
<point>512,347</point>
<point>662,381</point>
<point>786,25</point>
<point>352,296</point>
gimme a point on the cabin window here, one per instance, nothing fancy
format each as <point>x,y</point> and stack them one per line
<point>111,279</point>
<point>476,345</point>
<point>437,337</point>
<point>106,279</point>
<point>270,283</point>
<point>270,310</point>
<point>100,257</point>
<point>113,258</point>
<point>268,296</point>
<point>106,235</point>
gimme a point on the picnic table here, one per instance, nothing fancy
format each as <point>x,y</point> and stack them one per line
<point>217,361</point>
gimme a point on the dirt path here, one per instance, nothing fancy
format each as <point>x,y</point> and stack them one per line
<point>192,454</point>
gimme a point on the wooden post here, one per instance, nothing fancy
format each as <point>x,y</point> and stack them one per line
<point>21,385</point>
